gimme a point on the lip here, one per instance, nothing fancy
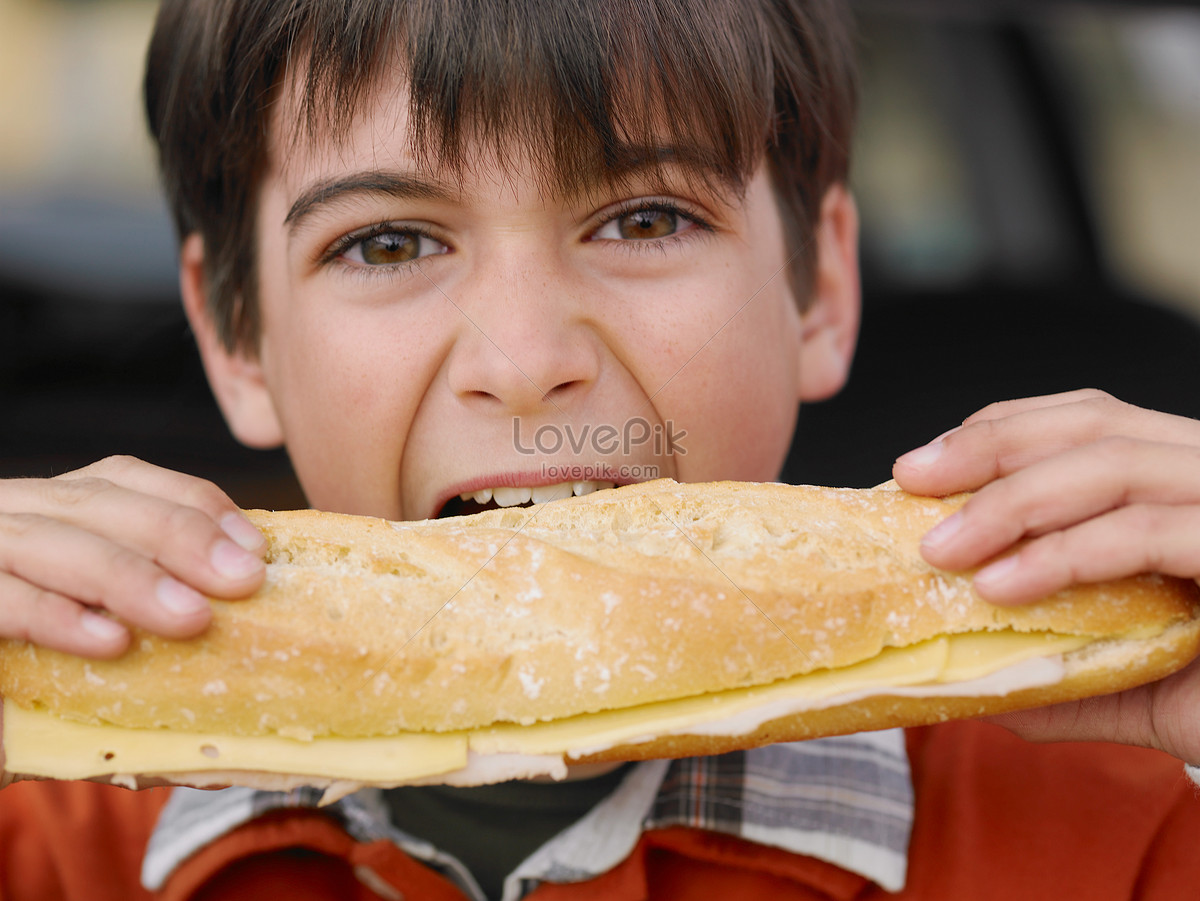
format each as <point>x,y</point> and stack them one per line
<point>520,479</point>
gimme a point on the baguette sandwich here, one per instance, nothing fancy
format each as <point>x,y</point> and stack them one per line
<point>653,620</point>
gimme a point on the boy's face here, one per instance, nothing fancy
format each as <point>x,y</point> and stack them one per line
<point>426,335</point>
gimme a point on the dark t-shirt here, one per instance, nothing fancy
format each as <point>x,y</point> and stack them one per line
<point>492,828</point>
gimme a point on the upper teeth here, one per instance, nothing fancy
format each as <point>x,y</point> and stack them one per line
<point>510,497</point>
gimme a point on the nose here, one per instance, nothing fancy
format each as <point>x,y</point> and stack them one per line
<point>524,344</point>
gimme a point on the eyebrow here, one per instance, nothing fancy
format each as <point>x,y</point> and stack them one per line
<point>389,184</point>
<point>625,162</point>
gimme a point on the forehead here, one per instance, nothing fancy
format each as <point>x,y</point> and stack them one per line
<point>379,147</point>
<point>302,137</point>
<point>577,103</point>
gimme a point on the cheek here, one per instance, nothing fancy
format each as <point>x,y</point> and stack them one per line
<point>349,382</point>
<point>327,375</point>
<point>730,380</point>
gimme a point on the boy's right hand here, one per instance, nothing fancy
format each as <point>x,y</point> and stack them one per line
<point>120,541</point>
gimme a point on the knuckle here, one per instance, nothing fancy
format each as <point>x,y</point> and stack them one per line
<point>46,617</point>
<point>28,611</point>
<point>978,427</point>
<point>1036,513</point>
<point>1049,550</point>
<point>205,495</point>
<point>994,510</point>
<point>74,492</point>
<point>1100,412</point>
<point>1095,395</point>
<point>18,525</point>
<point>1144,519</point>
<point>198,494</point>
<point>17,624</point>
<point>991,411</point>
<point>119,463</point>
<point>1153,525</point>
<point>990,440</point>
<point>982,431</point>
<point>1052,555</point>
<point>126,563</point>
<point>1115,450</point>
<point>185,526</point>
<point>114,465</point>
<point>989,415</point>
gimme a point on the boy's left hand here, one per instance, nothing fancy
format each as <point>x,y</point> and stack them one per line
<point>1098,490</point>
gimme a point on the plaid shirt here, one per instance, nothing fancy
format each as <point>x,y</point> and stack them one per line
<point>846,800</point>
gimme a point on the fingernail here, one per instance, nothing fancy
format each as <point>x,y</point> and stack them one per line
<point>924,456</point>
<point>179,598</point>
<point>101,627</point>
<point>234,562</point>
<point>996,574</point>
<point>241,530</point>
<point>943,533</point>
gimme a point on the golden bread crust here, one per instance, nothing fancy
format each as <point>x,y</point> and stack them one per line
<point>622,597</point>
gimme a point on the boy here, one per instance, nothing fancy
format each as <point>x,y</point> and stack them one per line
<point>414,234</point>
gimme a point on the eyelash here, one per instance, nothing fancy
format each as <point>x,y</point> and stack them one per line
<point>344,243</point>
<point>702,226</point>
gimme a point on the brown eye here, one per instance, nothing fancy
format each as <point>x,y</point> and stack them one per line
<point>390,248</point>
<point>648,223</point>
<point>393,247</point>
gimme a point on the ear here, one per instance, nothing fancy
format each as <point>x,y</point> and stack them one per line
<point>829,327</point>
<point>235,376</point>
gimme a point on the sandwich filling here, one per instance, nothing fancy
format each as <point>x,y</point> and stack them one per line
<point>38,743</point>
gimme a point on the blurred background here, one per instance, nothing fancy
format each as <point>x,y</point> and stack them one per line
<point>1028,175</point>
<point>1029,180</point>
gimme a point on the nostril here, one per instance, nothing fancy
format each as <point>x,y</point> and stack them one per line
<point>558,391</point>
<point>523,376</point>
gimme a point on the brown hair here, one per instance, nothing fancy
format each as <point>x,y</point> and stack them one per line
<point>585,85</point>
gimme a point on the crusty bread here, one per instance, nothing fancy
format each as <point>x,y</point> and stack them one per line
<point>622,597</point>
<point>1101,668</point>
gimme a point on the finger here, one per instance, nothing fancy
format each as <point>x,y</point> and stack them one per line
<point>1157,715</point>
<point>185,490</point>
<point>1135,539</point>
<point>146,478</point>
<point>1005,408</point>
<point>1065,489</point>
<point>183,539</point>
<point>48,619</point>
<point>1122,718</point>
<point>989,446</point>
<point>99,573</point>
<point>915,465</point>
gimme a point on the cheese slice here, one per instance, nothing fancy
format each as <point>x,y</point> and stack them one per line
<point>37,743</point>
<point>939,666</point>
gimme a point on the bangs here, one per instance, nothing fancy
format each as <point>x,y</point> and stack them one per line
<point>589,91</point>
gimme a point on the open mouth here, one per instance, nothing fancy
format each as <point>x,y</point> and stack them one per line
<point>505,496</point>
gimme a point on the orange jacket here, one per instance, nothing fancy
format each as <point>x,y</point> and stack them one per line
<point>995,818</point>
